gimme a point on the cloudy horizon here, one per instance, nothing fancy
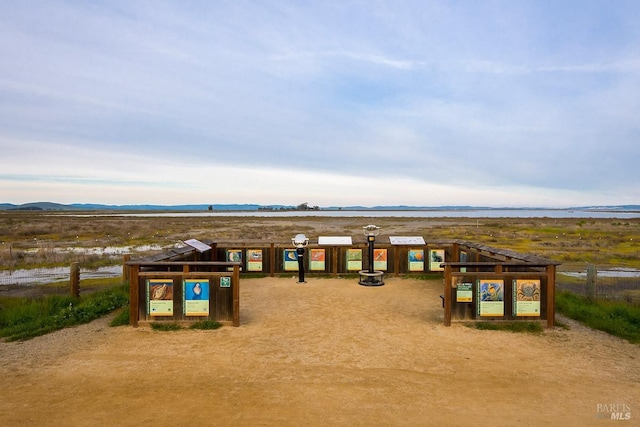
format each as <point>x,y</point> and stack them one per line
<point>432,103</point>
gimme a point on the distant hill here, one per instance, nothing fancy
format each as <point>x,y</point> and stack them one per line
<point>50,206</point>
<point>35,206</point>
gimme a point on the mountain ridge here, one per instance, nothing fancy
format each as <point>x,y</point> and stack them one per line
<point>52,206</point>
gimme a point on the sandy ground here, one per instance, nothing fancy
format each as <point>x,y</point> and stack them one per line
<point>329,352</point>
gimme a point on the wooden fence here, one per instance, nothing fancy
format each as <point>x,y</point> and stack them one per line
<point>184,291</point>
<point>480,282</point>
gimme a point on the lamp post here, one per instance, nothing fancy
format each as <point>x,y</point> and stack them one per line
<point>371,277</point>
<point>300,241</point>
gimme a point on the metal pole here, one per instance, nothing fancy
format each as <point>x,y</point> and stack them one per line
<point>371,239</point>
<point>300,252</point>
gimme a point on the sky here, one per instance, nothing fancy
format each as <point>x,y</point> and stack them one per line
<point>334,103</point>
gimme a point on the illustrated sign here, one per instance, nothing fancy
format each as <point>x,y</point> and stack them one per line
<point>317,259</point>
<point>196,297</point>
<point>160,297</point>
<point>380,259</point>
<point>406,240</point>
<point>234,255</point>
<point>464,292</point>
<point>436,257</point>
<point>490,297</point>
<point>254,259</point>
<point>416,259</point>
<point>354,259</point>
<point>526,297</point>
<point>290,260</point>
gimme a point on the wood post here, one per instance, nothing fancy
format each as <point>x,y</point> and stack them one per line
<point>74,279</point>
<point>551,296</point>
<point>592,275</point>
<point>134,295</point>
<point>447,295</point>
<point>125,268</point>
<point>236,295</point>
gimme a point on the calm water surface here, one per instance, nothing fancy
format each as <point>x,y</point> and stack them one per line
<point>472,213</point>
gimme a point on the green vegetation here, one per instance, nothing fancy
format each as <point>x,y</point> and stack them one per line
<point>168,326</point>
<point>25,318</point>
<point>529,327</point>
<point>206,324</point>
<point>616,318</point>
<point>173,326</point>
<point>122,318</point>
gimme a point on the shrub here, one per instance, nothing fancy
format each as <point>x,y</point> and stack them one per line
<point>615,318</point>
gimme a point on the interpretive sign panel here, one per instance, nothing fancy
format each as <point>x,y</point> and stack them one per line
<point>416,259</point>
<point>160,297</point>
<point>197,245</point>
<point>406,240</point>
<point>254,259</point>
<point>196,297</point>
<point>290,260</point>
<point>380,259</point>
<point>354,259</point>
<point>526,297</point>
<point>334,240</point>
<point>436,257</point>
<point>234,255</point>
<point>464,292</point>
<point>317,259</point>
<point>490,297</point>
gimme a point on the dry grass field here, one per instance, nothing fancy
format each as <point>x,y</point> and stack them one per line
<point>329,352</point>
<point>28,238</point>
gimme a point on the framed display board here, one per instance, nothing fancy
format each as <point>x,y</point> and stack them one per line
<point>354,259</point>
<point>160,297</point>
<point>436,257</point>
<point>234,255</point>
<point>290,257</point>
<point>195,297</point>
<point>490,297</point>
<point>380,259</point>
<point>317,262</point>
<point>254,259</point>
<point>464,292</point>
<point>416,259</point>
<point>526,297</point>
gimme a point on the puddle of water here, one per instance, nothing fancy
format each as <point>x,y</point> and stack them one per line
<point>42,276</point>
<point>614,273</point>
<point>111,250</point>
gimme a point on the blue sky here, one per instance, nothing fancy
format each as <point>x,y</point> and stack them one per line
<point>492,103</point>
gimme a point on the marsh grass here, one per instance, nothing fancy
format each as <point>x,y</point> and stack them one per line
<point>122,317</point>
<point>602,241</point>
<point>206,325</point>
<point>173,326</point>
<point>165,326</point>
<point>25,318</point>
<point>616,318</point>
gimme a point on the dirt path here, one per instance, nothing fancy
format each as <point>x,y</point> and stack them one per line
<point>329,352</point>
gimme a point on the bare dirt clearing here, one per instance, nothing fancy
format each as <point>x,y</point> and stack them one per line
<point>329,352</point>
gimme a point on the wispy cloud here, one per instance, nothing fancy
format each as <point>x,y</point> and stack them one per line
<point>430,99</point>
